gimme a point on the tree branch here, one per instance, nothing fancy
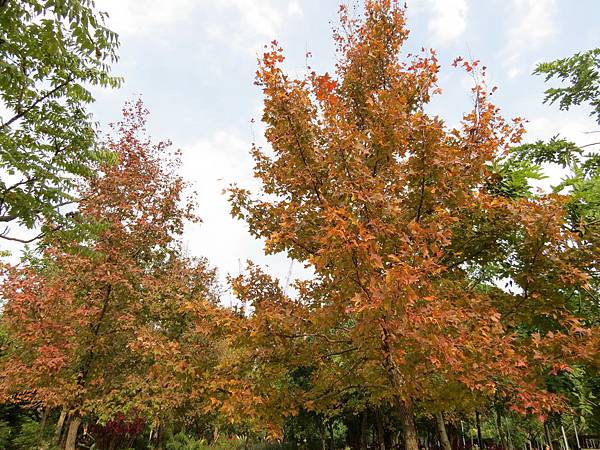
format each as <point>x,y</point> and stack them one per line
<point>47,95</point>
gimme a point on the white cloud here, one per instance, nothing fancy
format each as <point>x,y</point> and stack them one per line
<point>294,9</point>
<point>447,21</point>
<point>574,128</point>
<point>211,165</point>
<point>246,24</point>
<point>134,17</point>
<point>534,23</point>
<point>239,23</point>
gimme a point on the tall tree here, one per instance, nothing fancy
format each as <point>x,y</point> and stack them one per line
<point>397,216</point>
<point>51,52</point>
<point>92,321</point>
<point>580,77</point>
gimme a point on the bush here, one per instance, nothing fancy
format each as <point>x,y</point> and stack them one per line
<point>28,436</point>
<point>182,441</point>
<point>5,431</point>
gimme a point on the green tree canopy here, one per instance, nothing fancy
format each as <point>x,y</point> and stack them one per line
<point>51,53</point>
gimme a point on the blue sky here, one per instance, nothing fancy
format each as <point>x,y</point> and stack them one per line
<point>193,63</point>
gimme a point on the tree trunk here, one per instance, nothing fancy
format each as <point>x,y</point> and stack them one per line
<point>409,430</point>
<point>508,435</point>
<point>363,430</point>
<point>332,436</point>
<point>323,435</point>
<point>478,422</point>
<point>439,418</point>
<point>160,433</point>
<point>564,435</point>
<point>380,431</point>
<point>215,434</point>
<point>499,429</point>
<point>43,422</point>
<point>548,437</point>
<point>405,407</point>
<point>72,434</point>
<point>60,425</point>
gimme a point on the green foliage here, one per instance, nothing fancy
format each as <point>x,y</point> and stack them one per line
<point>28,436</point>
<point>181,441</point>
<point>271,446</point>
<point>581,78</point>
<point>511,177</point>
<point>577,385</point>
<point>5,432</point>
<point>556,151</point>
<point>19,430</point>
<point>582,176</point>
<point>580,72</point>
<point>51,51</point>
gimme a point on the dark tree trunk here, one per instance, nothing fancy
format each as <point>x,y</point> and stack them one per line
<point>363,431</point>
<point>439,419</point>
<point>478,423</point>
<point>389,437</point>
<point>500,432</point>
<point>353,431</point>
<point>332,436</point>
<point>380,430</point>
<point>409,430</point>
<point>160,437</point>
<point>548,437</point>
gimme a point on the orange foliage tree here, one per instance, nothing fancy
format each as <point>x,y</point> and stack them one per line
<point>111,324</point>
<point>410,243</point>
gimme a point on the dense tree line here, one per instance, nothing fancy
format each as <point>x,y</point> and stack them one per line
<point>451,304</point>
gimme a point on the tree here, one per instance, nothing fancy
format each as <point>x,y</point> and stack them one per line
<point>581,183</point>
<point>51,53</point>
<point>581,73</point>
<point>93,325</point>
<point>409,241</point>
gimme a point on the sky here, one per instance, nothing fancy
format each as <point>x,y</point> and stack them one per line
<point>193,64</point>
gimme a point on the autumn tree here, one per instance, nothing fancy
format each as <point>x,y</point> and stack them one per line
<point>409,237</point>
<point>94,326</point>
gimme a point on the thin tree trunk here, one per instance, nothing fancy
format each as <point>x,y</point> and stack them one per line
<point>409,430</point>
<point>332,436</point>
<point>72,434</point>
<point>65,431</point>
<point>60,425</point>
<point>499,429</point>
<point>43,422</point>
<point>216,431</point>
<point>548,437</point>
<point>576,435</point>
<point>478,423</point>
<point>363,431</point>
<point>160,437</point>
<point>564,435</point>
<point>439,419</point>
<point>380,431</point>
<point>508,435</point>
